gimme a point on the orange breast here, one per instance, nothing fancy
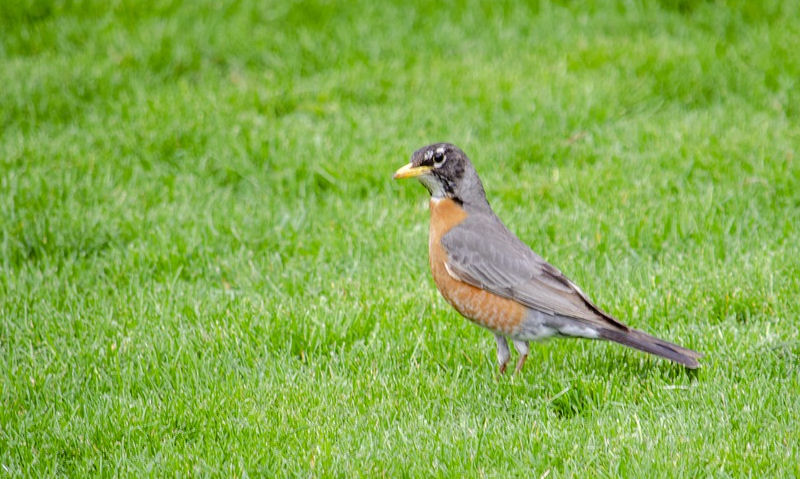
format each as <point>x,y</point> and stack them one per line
<point>484,308</point>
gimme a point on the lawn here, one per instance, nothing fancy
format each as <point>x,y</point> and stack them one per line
<point>206,269</point>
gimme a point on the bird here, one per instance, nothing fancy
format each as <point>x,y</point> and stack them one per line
<point>495,280</point>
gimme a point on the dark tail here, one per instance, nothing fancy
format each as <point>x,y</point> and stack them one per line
<point>651,344</point>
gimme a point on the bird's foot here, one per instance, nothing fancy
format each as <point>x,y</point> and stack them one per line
<point>520,363</point>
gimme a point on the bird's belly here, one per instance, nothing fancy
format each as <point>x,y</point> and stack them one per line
<point>536,325</point>
<point>482,307</point>
<point>485,309</point>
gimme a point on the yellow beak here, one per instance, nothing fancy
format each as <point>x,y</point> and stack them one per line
<point>410,171</point>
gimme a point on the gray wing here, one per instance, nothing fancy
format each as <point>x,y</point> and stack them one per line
<point>482,252</point>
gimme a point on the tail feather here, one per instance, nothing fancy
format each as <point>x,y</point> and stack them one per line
<point>653,345</point>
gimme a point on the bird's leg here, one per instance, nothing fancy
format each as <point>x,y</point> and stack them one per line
<point>522,349</point>
<point>503,353</point>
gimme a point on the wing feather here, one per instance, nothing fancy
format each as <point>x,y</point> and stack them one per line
<point>482,252</point>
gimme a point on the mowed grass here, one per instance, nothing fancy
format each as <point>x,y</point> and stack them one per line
<point>205,268</point>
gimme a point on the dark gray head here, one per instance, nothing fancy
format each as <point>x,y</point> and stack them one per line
<point>447,173</point>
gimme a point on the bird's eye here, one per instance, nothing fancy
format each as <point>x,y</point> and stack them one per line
<point>438,159</point>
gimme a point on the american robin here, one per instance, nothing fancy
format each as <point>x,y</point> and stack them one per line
<point>495,280</point>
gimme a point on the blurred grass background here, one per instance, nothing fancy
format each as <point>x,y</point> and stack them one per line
<point>206,269</point>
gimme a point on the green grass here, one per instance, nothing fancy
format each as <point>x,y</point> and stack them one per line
<point>205,267</point>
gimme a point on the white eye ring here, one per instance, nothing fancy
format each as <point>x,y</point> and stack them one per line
<point>439,158</point>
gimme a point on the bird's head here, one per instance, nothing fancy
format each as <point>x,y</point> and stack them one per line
<point>446,172</point>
